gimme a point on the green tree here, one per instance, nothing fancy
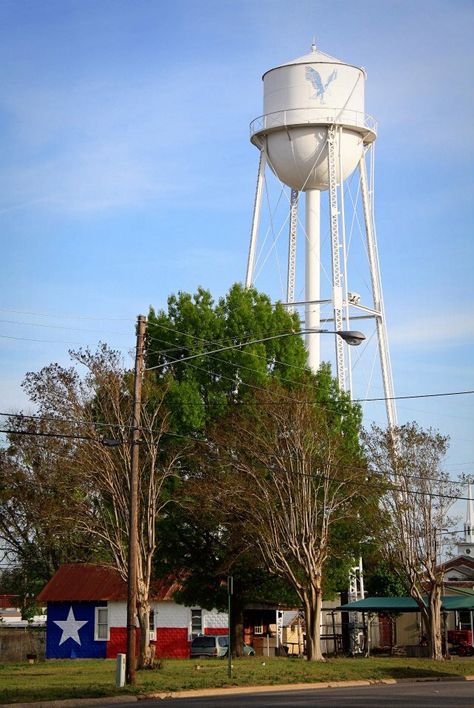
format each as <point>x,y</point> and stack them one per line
<point>202,388</point>
<point>79,487</point>
<point>280,466</point>
<point>381,580</point>
<point>197,537</point>
<point>38,491</point>
<point>414,508</point>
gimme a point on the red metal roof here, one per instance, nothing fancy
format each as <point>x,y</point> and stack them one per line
<point>9,601</point>
<point>88,582</point>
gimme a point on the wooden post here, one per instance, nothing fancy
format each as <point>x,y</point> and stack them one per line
<point>230,591</point>
<point>336,652</point>
<point>133,506</point>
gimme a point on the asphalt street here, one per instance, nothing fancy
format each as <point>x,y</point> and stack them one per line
<point>459,694</point>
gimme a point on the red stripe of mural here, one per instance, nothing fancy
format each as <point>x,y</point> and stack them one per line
<point>117,643</point>
<point>172,643</point>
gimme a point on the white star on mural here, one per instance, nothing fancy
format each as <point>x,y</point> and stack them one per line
<point>70,627</point>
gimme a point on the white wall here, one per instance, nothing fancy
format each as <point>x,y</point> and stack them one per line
<point>168,614</point>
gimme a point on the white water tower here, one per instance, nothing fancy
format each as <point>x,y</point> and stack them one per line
<point>314,133</point>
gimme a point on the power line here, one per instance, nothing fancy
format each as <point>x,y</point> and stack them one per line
<point>219,375</point>
<point>68,317</point>
<point>239,345</point>
<point>44,341</point>
<point>218,341</point>
<point>419,395</point>
<point>126,426</point>
<point>72,329</point>
<point>60,419</point>
<point>207,341</point>
<point>241,366</point>
<point>49,435</point>
<point>206,442</point>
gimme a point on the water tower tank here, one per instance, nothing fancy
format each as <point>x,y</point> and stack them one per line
<point>301,100</point>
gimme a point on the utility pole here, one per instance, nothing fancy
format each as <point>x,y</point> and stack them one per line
<point>133,505</point>
<point>230,592</point>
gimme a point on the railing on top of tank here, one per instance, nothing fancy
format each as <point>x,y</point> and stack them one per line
<point>308,116</point>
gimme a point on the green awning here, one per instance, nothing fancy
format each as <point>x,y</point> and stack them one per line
<point>464,601</point>
<point>458,602</point>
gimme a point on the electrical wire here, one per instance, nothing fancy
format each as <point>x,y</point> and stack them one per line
<point>220,341</point>
<point>419,395</point>
<point>239,345</point>
<point>43,341</point>
<point>48,435</point>
<point>79,421</point>
<point>380,486</point>
<point>235,346</point>
<point>205,442</point>
<point>72,329</point>
<point>61,419</point>
<point>68,317</point>
<point>231,363</point>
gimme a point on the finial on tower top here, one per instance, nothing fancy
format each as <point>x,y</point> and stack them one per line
<point>313,45</point>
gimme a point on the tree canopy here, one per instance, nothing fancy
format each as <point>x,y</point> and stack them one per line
<point>201,388</point>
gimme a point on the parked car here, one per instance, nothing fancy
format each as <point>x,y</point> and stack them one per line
<point>214,645</point>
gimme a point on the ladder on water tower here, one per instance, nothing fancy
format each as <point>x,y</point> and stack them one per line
<point>335,253</point>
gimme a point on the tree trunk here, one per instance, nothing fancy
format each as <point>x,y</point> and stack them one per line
<point>237,624</point>
<point>144,656</point>
<point>434,623</point>
<point>312,611</point>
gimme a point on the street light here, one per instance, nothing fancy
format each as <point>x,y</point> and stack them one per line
<point>351,336</point>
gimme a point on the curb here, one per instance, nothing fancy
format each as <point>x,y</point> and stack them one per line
<point>233,690</point>
<point>243,690</point>
<point>287,687</point>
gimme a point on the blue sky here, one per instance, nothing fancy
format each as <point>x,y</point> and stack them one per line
<point>126,172</point>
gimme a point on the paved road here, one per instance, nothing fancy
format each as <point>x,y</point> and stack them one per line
<point>458,694</point>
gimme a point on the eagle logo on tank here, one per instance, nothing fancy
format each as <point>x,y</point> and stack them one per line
<point>317,83</point>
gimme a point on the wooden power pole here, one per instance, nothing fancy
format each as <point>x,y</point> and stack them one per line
<point>133,508</point>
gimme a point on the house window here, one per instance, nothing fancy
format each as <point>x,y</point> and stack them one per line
<point>464,619</point>
<point>258,629</point>
<point>196,622</point>
<point>152,628</point>
<point>101,630</point>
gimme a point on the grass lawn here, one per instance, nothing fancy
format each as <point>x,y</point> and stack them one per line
<point>59,679</point>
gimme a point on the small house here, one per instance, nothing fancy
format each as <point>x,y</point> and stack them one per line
<point>87,615</point>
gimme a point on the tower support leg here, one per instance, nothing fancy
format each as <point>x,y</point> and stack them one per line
<point>378,298</point>
<point>312,276</point>
<point>256,218</point>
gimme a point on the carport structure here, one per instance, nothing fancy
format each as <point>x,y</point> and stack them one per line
<point>397,607</point>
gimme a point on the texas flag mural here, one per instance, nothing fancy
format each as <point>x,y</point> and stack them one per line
<point>73,631</point>
<point>87,615</point>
